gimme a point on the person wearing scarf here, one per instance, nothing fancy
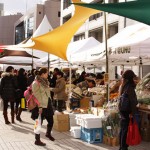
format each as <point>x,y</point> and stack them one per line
<point>41,91</point>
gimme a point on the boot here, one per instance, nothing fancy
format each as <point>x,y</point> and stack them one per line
<point>6,117</point>
<point>18,115</point>
<point>48,133</point>
<point>38,141</point>
<point>12,116</point>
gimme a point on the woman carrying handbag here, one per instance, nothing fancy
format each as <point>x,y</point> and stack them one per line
<point>127,105</point>
<point>41,91</point>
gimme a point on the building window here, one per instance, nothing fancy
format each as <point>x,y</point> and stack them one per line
<point>97,34</point>
<point>96,16</point>
<point>113,1</point>
<point>66,3</point>
<point>66,18</point>
<point>79,37</point>
<point>112,29</point>
<point>19,33</point>
<point>30,23</point>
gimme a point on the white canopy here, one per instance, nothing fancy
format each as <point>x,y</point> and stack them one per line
<point>129,46</point>
<point>43,28</point>
<point>17,60</point>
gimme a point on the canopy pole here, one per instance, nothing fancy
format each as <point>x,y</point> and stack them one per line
<point>48,62</point>
<point>107,59</point>
<point>70,72</point>
<point>32,59</point>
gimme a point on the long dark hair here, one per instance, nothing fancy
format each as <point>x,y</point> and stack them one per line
<point>128,77</point>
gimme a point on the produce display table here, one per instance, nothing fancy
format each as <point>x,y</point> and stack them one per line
<point>145,110</point>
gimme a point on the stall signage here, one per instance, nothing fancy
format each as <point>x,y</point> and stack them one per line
<point>120,50</point>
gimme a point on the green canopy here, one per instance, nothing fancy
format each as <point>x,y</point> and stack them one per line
<point>138,10</point>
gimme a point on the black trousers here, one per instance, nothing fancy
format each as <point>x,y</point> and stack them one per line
<point>6,105</point>
<point>49,118</point>
<point>124,123</point>
<point>59,105</point>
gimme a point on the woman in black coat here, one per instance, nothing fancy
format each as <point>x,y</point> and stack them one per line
<point>127,86</point>
<point>7,91</point>
<point>22,85</point>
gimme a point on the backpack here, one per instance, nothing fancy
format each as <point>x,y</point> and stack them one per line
<point>124,101</point>
<point>32,102</point>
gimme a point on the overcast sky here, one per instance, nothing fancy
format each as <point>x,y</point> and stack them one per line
<point>14,6</point>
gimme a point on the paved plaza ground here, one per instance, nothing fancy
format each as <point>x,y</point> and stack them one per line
<point>20,136</point>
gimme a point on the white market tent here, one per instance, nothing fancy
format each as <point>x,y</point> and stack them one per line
<point>43,28</point>
<point>127,47</point>
<point>17,60</point>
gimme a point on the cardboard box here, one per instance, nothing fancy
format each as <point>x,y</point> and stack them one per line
<point>84,103</point>
<point>61,117</point>
<point>61,122</point>
<point>61,127</point>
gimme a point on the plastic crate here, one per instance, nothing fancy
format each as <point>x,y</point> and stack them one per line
<point>93,135</point>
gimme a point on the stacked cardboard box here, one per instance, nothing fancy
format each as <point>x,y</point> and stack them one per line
<point>61,122</point>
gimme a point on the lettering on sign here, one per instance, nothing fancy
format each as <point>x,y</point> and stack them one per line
<point>120,50</point>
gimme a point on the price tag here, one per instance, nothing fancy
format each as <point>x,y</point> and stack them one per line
<point>106,78</point>
<point>108,127</point>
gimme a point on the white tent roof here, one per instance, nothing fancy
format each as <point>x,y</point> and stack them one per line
<point>17,60</point>
<point>126,47</point>
<point>43,28</point>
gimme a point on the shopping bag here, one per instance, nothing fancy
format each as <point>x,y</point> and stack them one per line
<point>37,125</point>
<point>1,104</point>
<point>133,135</point>
<point>23,103</point>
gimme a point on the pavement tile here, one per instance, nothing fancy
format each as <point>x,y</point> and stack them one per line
<point>20,136</point>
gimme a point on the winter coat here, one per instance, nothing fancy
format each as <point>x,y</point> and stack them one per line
<point>41,93</point>
<point>130,89</point>
<point>22,83</point>
<point>30,80</point>
<point>8,87</point>
<point>59,90</point>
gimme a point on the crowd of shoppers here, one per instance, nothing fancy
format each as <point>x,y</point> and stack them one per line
<point>49,90</point>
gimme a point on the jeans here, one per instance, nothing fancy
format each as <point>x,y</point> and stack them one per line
<point>124,123</point>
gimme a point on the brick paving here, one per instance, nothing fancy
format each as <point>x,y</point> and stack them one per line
<point>20,136</point>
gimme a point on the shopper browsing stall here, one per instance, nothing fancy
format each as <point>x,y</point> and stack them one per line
<point>80,91</point>
<point>128,87</point>
<point>60,95</point>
